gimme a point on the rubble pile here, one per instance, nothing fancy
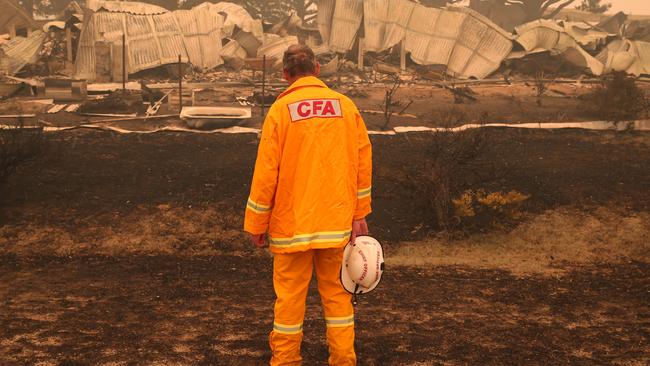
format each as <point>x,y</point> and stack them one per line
<point>88,43</point>
<point>116,102</point>
<point>105,43</point>
<point>471,45</point>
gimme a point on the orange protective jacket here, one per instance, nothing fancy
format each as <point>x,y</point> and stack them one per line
<point>313,170</point>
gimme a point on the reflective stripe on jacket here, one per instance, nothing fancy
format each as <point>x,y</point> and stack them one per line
<point>313,170</point>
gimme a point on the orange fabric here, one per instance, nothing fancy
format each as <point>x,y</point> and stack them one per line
<point>313,170</point>
<point>337,307</point>
<point>292,273</point>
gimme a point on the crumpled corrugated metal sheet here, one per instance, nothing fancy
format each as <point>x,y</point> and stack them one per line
<point>274,46</point>
<point>248,42</point>
<point>159,38</point>
<point>330,68</point>
<point>546,35</point>
<point>238,24</point>
<point>467,42</point>
<point>630,56</point>
<point>588,36</point>
<point>151,40</point>
<point>21,51</point>
<point>324,18</point>
<point>236,16</point>
<point>345,24</point>
<point>202,34</point>
<point>290,25</point>
<point>233,49</point>
<point>385,22</point>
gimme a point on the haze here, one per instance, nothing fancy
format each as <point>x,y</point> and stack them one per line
<point>631,6</point>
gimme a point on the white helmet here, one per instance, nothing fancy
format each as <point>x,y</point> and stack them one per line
<point>363,264</point>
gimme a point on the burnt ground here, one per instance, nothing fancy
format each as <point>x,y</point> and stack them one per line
<point>93,178</point>
<point>83,309</point>
<point>217,311</point>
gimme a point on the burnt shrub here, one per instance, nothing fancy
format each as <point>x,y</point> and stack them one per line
<point>458,187</point>
<point>453,156</point>
<point>19,145</point>
<point>618,98</point>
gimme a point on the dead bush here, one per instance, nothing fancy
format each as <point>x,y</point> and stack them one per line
<point>389,101</point>
<point>617,99</point>
<point>540,86</point>
<point>19,145</point>
<point>453,156</point>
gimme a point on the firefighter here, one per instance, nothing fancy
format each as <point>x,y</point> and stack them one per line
<point>309,197</point>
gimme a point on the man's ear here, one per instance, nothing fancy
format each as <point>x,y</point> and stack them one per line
<point>317,69</point>
<point>286,75</point>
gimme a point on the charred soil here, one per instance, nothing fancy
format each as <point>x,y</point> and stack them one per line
<point>159,310</point>
<point>96,178</point>
<point>176,283</point>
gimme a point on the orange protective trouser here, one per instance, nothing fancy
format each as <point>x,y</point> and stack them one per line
<point>291,276</point>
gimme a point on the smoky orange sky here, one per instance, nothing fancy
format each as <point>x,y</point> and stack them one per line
<point>630,6</point>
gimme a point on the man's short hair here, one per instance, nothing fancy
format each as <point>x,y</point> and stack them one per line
<point>299,60</point>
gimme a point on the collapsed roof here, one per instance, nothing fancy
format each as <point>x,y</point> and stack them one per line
<point>202,36</point>
<point>154,37</point>
<point>469,44</point>
<point>151,40</point>
<point>546,35</point>
<point>20,51</point>
<point>235,17</point>
<point>630,56</point>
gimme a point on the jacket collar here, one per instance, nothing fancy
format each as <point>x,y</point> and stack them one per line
<point>303,82</point>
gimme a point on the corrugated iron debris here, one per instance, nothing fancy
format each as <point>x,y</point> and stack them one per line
<point>111,41</point>
<point>464,42</point>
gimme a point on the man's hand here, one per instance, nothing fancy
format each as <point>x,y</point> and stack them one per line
<point>259,240</point>
<point>359,227</point>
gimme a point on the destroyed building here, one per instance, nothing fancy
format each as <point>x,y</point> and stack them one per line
<point>101,41</point>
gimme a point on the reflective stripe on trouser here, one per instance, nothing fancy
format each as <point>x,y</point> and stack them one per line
<point>291,276</point>
<point>337,306</point>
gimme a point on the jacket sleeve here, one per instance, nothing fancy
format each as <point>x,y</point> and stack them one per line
<point>265,178</point>
<point>364,177</point>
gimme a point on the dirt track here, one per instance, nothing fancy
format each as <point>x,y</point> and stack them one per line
<point>217,311</point>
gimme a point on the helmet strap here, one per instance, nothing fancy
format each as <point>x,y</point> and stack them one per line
<point>354,295</point>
